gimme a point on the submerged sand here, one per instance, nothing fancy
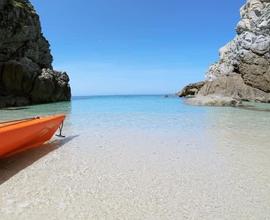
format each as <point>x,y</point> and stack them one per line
<point>133,174</point>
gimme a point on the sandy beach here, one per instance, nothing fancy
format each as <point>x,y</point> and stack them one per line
<point>135,173</point>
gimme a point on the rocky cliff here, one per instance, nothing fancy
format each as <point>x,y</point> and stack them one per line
<point>26,73</point>
<point>243,71</point>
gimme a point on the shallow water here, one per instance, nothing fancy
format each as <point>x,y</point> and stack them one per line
<point>142,157</point>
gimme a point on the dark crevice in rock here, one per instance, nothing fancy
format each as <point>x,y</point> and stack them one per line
<point>33,84</point>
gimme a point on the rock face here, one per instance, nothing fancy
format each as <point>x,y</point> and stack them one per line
<point>243,71</point>
<point>26,73</point>
<point>191,89</point>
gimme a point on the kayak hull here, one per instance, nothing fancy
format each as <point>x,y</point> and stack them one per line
<point>25,134</point>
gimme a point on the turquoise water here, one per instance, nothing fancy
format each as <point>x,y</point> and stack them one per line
<point>157,115</point>
<point>142,157</point>
<point>150,113</point>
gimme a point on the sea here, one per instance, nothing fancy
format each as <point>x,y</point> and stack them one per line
<point>142,157</point>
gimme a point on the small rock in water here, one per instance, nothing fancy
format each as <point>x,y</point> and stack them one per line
<point>214,101</point>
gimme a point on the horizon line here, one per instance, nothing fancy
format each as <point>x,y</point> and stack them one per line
<point>159,94</point>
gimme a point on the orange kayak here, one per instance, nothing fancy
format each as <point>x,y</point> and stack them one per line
<point>20,135</point>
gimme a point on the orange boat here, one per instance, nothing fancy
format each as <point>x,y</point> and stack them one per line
<point>20,135</point>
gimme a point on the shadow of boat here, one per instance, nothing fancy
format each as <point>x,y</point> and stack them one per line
<point>14,164</point>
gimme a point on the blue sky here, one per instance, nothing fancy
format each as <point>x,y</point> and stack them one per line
<point>136,46</point>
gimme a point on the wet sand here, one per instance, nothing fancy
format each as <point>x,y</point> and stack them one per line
<point>133,174</point>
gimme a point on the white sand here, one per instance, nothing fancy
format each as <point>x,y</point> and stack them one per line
<point>134,175</point>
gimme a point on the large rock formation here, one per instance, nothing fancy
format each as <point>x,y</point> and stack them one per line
<point>243,71</point>
<point>26,74</point>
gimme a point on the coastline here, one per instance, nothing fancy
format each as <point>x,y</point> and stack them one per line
<point>149,157</point>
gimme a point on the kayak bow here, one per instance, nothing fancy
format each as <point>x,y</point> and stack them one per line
<point>20,135</point>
